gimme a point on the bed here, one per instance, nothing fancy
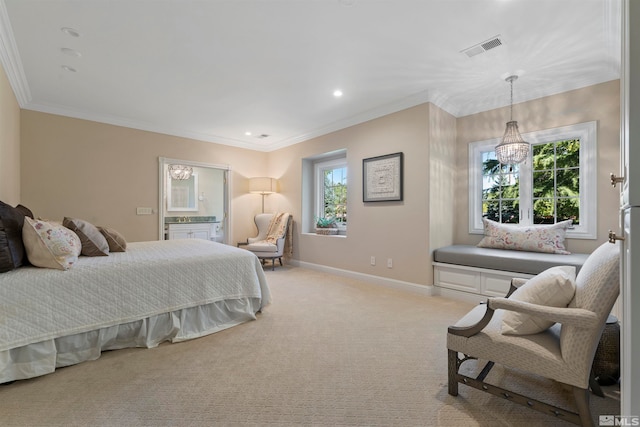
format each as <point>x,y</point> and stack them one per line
<point>172,290</point>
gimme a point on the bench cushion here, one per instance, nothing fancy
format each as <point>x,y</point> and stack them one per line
<point>505,260</point>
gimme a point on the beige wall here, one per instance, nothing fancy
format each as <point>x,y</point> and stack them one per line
<point>101,173</point>
<point>9,143</point>
<point>397,230</point>
<point>442,161</point>
<point>599,102</point>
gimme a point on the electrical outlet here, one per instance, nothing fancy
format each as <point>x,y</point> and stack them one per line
<point>373,260</point>
<point>144,211</point>
<point>389,263</point>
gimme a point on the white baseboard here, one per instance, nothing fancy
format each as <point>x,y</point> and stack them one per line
<point>369,278</point>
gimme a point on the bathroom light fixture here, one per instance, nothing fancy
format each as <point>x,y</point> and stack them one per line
<point>337,93</point>
<point>513,149</point>
<point>263,186</point>
<point>180,172</point>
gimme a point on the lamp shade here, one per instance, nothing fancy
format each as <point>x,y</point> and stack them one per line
<point>262,185</point>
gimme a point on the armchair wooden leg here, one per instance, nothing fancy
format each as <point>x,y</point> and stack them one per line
<point>595,387</point>
<point>453,372</point>
<point>581,397</point>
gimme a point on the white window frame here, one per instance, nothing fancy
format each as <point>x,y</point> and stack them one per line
<point>586,133</point>
<point>318,185</point>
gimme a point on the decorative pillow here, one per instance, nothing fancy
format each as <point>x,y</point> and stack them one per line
<point>93,242</point>
<point>12,254</point>
<point>116,241</point>
<point>533,238</point>
<point>49,244</point>
<point>554,287</point>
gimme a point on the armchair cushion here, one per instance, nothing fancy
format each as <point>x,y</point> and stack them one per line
<point>261,246</point>
<point>554,287</point>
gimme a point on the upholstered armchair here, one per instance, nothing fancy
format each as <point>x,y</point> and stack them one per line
<point>564,352</point>
<point>271,239</point>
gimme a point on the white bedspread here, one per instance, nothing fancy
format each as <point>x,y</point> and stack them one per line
<point>150,278</point>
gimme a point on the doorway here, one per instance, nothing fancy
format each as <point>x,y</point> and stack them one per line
<point>197,206</point>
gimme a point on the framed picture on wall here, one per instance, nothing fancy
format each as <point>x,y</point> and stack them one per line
<point>382,178</point>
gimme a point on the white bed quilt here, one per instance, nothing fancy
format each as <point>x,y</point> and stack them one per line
<point>149,279</point>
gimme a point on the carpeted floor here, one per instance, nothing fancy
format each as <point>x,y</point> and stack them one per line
<point>329,351</point>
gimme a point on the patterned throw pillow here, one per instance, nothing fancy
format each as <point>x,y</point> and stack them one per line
<point>49,244</point>
<point>533,238</point>
<point>554,287</point>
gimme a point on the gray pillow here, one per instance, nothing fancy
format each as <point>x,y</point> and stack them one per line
<point>12,253</point>
<point>93,242</point>
<point>117,242</point>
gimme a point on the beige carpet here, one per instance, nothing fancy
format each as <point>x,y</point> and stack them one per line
<point>328,351</point>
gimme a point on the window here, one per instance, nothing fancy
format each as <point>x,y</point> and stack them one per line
<point>556,183</point>
<point>331,190</point>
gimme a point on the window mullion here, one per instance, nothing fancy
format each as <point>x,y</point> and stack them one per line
<point>526,192</point>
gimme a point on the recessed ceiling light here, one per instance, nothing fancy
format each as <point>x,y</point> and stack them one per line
<point>337,93</point>
<point>248,133</point>
<point>69,69</point>
<point>70,31</point>
<point>70,52</point>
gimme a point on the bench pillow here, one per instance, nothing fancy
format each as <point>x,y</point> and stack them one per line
<point>532,238</point>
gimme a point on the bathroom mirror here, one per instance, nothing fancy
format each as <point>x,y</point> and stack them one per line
<point>182,194</point>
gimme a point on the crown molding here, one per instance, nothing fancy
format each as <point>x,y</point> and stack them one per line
<point>10,59</point>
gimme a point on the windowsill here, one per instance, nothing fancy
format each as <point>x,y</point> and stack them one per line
<point>342,236</point>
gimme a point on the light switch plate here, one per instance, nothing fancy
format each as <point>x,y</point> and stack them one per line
<point>144,211</point>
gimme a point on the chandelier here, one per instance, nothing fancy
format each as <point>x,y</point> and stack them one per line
<point>180,172</point>
<point>513,149</point>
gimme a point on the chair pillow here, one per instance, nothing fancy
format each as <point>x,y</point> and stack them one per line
<point>533,238</point>
<point>93,242</point>
<point>554,287</point>
<point>49,244</point>
<point>116,241</point>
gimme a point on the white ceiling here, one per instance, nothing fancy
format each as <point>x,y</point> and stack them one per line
<point>213,70</point>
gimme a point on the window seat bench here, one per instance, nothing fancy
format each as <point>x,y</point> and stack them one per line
<point>471,273</point>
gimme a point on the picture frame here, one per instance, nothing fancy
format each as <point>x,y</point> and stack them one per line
<point>382,178</point>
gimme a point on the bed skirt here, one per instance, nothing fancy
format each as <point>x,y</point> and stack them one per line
<point>44,357</point>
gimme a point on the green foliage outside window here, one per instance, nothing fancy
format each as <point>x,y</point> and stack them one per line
<point>555,186</point>
<point>335,194</point>
<point>556,182</point>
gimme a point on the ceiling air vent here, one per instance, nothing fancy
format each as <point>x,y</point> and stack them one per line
<point>262,136</point>
<point>479,48</point>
